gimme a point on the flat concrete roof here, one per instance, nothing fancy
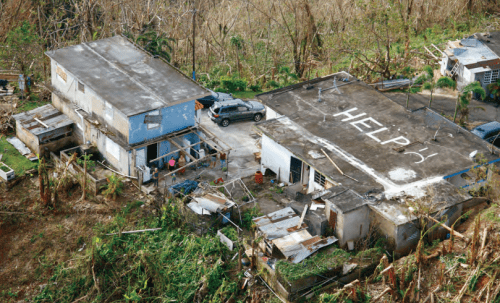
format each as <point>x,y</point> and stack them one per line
<point>371,138</point>
<point>127,77</point>
<point>492,41</point>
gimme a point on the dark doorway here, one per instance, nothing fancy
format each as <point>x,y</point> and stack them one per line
<point>152,153</point>
<point>295,169</point>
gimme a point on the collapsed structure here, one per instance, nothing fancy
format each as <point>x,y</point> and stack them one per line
<point>364,156</point>
<point>475,58</point>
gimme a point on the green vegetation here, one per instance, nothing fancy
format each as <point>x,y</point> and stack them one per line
<point>464,99</point>
<point>12,158</point>
<point>249,214</point>
<point>114,187</point>
<point>320,263</point>
<point>230,232</point>
<point>163,266</point>
<point>4,168</point>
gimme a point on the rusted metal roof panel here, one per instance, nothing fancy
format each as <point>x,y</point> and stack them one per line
<point>213,203</point>
<point>48,115</point>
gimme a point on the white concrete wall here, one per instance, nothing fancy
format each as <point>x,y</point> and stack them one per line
<point>276,158</point>
<point>444,65</point>
<point>353,225</point>
<point>271,114</point>
<point>89,101</point>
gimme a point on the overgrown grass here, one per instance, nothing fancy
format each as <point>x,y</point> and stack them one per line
<point>168,265</point>
<point>19,163</point>
<point>245,94</point>
<point>318,264</point>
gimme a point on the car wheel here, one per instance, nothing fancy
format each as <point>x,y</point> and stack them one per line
<point>257,117</point>
<point>224,123</point>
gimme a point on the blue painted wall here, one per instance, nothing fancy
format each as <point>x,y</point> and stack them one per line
<point>175,118</point>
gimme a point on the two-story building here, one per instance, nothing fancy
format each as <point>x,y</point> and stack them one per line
<point>133,106</point>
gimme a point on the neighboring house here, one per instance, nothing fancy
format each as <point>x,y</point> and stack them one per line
<point>134,107</point>
<point>385,154</point>
<point>475,58</point>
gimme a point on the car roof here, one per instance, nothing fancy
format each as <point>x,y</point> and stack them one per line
<point>483,131</point>
<point>230,102</point>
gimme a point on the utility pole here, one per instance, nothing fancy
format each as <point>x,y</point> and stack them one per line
<point>194,31</point>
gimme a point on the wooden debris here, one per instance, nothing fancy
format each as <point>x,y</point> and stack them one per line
<point>134,231</point>
<point>338,168</point>
<point>388,289</point>
<point>455,233</point>
<point>466,284</point>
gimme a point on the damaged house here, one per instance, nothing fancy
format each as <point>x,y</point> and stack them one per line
<point>363,156</point>
<point>137,109</point>
<point>475,58</point>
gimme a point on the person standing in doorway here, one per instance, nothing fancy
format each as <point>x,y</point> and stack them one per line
<point>213,157</point>
<point>155,177</point>
<point>171,164</point>
<point>222,157</point>
<point>182,163</point>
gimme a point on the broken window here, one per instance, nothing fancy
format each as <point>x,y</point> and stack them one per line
<point>153,119</point>
<point>61,75</point>
<point>81,87</point>
<point>108,112</point>
<point>319,178</point>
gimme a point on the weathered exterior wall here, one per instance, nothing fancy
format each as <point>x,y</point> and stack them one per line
<point>353,225</point>
<point>89,101</point>
<point>67,109</point>
<point>385,226</point>
<point>356,224</point>
<point>276,158</point>
<point>27,138</point>
<point>84,131</point>
<point>174,118</point>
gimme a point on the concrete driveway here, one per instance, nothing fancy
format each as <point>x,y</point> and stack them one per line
<point>242,138</point>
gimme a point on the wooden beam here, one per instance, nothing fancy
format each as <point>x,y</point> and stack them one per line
<point>175,151</point>
<point>338,168</point>
<point>181,149</point>
<point>185,166</point>
<point>442,53</point>
<point>213,137</point>
<point>434,56</point>
<point>38,120</point>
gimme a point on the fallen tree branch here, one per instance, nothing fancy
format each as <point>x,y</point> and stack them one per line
<point>134,231</point>
<point>388,289</point>
<point>448,228</point>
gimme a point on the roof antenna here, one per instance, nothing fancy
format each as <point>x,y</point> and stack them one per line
<point>324,117</point>
<point>335,85</point>
<point>319,95</point>
<point>435,135</point>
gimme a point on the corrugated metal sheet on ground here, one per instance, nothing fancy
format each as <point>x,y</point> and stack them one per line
<point>212,203</point>
<point>23,149</point>
<point>275,216</point>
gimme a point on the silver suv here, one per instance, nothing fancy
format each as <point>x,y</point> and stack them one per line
<point>224,112</point>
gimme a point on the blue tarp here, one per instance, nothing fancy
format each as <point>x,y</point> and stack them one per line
<point>187,185</point>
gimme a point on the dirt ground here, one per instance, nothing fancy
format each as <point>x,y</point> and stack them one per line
<point>34,240</point>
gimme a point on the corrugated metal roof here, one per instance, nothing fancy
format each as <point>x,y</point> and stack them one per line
<point>211,203</point>
<point>295,243</point>
<point>48,114</point>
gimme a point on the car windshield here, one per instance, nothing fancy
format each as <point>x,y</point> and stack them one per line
<point>216,110</point>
